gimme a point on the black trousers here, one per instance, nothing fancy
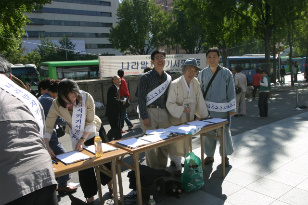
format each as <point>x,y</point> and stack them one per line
<point>263,104</point>
<point>46,196</point>
<point>255,91</point>
<point>115,124</point>
<point>87,177</point>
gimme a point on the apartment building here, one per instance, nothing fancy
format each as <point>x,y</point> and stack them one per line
<point>86,22</point>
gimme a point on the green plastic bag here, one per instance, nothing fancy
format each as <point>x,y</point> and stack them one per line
<point>192,177</point>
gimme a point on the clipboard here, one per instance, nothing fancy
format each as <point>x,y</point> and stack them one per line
<point>72,157</point>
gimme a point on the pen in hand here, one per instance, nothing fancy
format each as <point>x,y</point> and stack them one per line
<point>54,162</point>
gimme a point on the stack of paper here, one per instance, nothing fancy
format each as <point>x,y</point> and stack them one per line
<point>157,131</point>
<point>106,148</point>
<point>184,129</point>
<point>215,120</point>
<point>199,123</point>
<point>72,157</point>
<point>154,137</point>
<point>133,142</point>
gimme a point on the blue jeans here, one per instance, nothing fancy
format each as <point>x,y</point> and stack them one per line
<point>125,118</point>
<point>57,148</point>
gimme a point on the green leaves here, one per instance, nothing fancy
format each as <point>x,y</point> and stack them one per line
<point>142,27</point>
<point>13,21</point>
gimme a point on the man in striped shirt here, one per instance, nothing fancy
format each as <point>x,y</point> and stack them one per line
<point>152,91</point>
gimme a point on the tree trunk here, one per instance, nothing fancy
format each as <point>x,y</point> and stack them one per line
<point>290,57</point>
<point>267,38</point>
<point>274,76</point>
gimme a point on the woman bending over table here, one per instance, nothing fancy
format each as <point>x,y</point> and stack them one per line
<point>77,108</point>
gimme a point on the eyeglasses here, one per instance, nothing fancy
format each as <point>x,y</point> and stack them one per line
<point>160,58</point>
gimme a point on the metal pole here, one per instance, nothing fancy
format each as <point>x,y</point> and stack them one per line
<point>297,108</point>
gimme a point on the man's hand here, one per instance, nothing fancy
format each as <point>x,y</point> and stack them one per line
<point>187,110</point>
<point>147,122</point>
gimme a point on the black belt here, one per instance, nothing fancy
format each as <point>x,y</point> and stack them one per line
<point>155,106</point>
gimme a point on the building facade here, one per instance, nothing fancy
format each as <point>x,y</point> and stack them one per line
<point>86,22</point>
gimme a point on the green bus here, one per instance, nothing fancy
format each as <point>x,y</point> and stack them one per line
<point>27,74</point>
<point>77,70</point>
<point>295,61</point>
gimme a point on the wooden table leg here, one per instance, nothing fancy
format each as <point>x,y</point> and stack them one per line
<point>99,186</point>
<point>120,182</point>
<point>202,150</point>
<point>223,154</point>
<point>190,145</point>
<point>137,174</point>
<point>114,181</point>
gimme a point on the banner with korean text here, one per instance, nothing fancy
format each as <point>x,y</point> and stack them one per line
<point>135,64</point>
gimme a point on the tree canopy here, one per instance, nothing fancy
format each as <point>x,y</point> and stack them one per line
<point>13,21</point>
<point>142,27</point>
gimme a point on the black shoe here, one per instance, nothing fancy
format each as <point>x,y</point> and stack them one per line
<point>227,164</point>
<point>208,160</point>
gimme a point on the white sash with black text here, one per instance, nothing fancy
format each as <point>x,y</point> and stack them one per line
<point>26,97</point>
<point>78,120</point>
<point>158,91</point>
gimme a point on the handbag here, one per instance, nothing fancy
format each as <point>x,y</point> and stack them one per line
<point>238,90</point>
<point>60,130</point>
<point>127,104</point>
<point>192,177</point>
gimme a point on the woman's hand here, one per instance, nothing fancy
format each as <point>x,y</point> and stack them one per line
<point>79,145</point>
<point>51,153</point>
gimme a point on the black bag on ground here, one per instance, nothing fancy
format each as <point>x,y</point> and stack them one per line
<point>147,176</point>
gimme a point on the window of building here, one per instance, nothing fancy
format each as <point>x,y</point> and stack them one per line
<point>74,12</point>
<point>96,2</point>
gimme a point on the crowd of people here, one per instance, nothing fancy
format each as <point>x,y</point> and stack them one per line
<point>29,124</point>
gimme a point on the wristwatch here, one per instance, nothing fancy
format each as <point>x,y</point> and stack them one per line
<point>82,138</point>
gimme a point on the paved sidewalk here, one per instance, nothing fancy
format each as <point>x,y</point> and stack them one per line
<point>268,166</point>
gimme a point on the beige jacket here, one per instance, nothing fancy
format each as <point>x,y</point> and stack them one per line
<point>92,123</point>
<point>177,97</point>
<point>241,81</point>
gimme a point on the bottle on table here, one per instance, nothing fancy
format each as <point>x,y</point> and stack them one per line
<point>151,201</point>
<point>98,145</point>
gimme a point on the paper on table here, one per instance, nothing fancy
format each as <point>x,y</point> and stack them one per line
<point>133,142</point>
<point>184,129</point>
<point>157,131</point>
<point>106,148</point>
<point>154,137</point>
<point>199,123</point>
<point>72,157</point>
<point>215,120</point>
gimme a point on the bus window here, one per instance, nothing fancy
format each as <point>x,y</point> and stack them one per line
<point>77,70</point>
<point>27,74</point>
<point>44,73</point>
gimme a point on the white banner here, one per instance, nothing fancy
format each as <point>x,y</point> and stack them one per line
<point>135,64</point>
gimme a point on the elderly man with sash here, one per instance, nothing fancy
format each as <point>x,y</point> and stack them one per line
<point>152,91</point>
<point>218,89</point>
